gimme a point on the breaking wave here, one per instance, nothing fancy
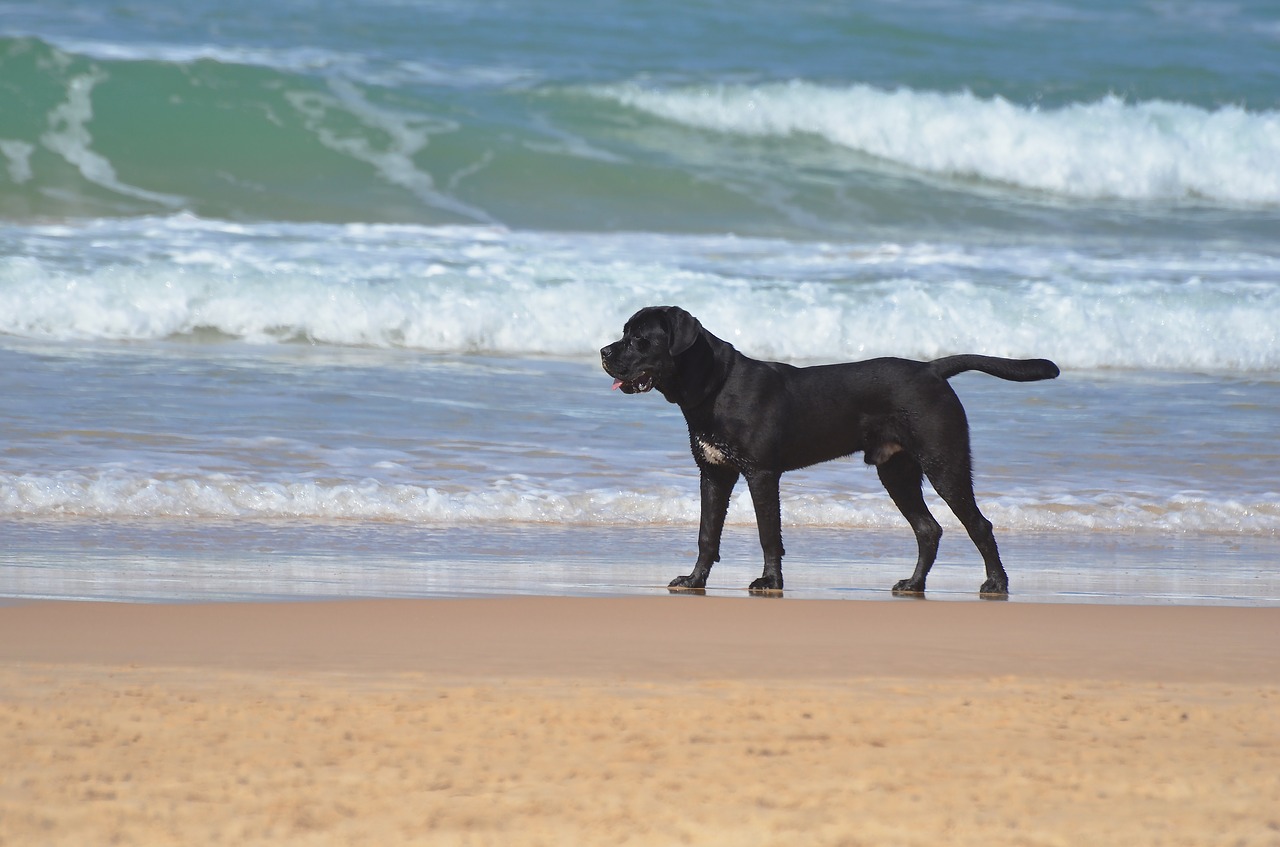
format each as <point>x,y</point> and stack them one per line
<point>118,494</point>
<point>488,290</point>
<point>1108,149</point>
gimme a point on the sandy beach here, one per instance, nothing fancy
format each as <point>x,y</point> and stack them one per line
<point>322,524</point>
<point>659,720</point>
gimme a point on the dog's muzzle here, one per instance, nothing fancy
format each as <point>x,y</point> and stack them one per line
<point>637,384</point>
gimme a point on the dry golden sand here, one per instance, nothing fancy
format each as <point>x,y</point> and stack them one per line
<point>647,721</point>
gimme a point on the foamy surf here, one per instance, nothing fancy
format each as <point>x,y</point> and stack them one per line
<point>488,290</point>
<point>119,495</point>
<point>1106,149</point>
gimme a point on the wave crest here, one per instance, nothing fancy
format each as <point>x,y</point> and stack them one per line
<point>1108,149</point>
<point>120,494</point>
<point>486,290</point>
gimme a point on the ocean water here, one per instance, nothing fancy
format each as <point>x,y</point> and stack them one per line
<point>301,300</point>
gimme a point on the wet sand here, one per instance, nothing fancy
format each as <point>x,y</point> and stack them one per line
<point>660,720</point>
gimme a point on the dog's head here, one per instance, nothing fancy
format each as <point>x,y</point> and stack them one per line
<point>645,356</point>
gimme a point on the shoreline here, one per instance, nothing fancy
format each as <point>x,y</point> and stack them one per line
<point>674,636</point>
<point>147,562</point>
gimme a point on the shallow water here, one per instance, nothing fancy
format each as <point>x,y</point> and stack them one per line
<point>307,473</point>
<point>146,562</point>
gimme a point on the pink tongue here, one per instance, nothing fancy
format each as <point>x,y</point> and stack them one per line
<point>617,383</point>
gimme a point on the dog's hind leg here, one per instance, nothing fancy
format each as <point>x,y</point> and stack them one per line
<point>954,484</point>
<point>902,478</point>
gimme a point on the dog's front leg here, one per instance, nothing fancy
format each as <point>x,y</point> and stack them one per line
<point>764,495</point>
<point>716,485</point>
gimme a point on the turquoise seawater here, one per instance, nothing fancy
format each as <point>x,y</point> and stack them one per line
<point>823,119</point>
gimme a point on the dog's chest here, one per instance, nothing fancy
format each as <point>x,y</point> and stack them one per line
<point>713,451</point>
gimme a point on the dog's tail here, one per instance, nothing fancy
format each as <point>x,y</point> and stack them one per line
<point>1016,370</point>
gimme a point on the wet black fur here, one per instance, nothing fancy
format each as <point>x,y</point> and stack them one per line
<point>759,419</point>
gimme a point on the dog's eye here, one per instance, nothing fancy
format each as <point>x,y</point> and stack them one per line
<point>641,344</point>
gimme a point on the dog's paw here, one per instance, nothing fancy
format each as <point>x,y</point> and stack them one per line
<point>908,586</point>
<point>766,583</point>
<point>993,589</point>
<point>690,581</point>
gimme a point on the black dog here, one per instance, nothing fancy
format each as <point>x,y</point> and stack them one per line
<point>758,419</point>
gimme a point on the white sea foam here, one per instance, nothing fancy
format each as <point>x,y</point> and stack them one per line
<point>68,136</point>
<point>472,289</point>
<point>115,494</point>
<point>1109,148</point>
<point>17,156</point>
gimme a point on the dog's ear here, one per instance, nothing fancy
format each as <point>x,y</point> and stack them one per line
<point>682,328</point>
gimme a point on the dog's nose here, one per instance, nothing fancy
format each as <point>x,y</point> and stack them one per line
<point>605,351</point>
